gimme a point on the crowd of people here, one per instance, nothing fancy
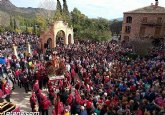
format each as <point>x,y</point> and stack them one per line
<point>101,78</point>
<point>7,39</point>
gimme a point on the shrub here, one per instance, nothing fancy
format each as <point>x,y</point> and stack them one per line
<point>141,46</point>
<point>1,29</point>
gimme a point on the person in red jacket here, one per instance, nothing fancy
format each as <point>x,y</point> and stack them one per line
<point>59,107</point>
<point>38,95</point>
<point>73,75</point>
<point>36,86</point>
<point>33,101</point>
<point>49,85</point>
<point>1,95</point>
<point>7,91</point>
<point>77,97</point>
<point>70,99</point>
<point>45,104</point>
<point>88,106</point>
<point>40,79</point>
<point>17,76</point>
<point>51,95</point>
<point>78,85</point>
<point>68,76</point>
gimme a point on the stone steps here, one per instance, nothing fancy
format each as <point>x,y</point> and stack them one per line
<point>6,107</point>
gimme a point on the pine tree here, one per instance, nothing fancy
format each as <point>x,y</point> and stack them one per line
<point>66,14</point>
<point>26,26</point>
<point>58,12</point>
<point>34,27</point>
<point>15,24</point>
<point>11,22</point>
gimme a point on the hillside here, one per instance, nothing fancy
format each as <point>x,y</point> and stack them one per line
<point>7,6</point>
<point>118,19</point>
<point>7,9</point>
<point>34,20</point>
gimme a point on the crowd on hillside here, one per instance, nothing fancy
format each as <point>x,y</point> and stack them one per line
<point>101,78</point>
<point>7,39</point>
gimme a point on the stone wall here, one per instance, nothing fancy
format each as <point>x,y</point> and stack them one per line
<point>51,33</point>
<point>137,23</point>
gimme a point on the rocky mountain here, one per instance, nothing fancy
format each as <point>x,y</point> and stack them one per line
<point>8,9</point>
<point>7,5</point>
<point>118,19</point>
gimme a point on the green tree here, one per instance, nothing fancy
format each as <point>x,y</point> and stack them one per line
<point>58,12</point>
<point>116,27</point>
<point>103,24</point>
<point>30,30</point>
<point>14,24</point>
<point>26,26</point>
<point>85,28</point>
<point>34,27</point>
<point>77,16</point>
<point>40,21</point>
<point>2,29</point>
<point>77,22</point>
<point>65,13</point>
<point>11,23</point>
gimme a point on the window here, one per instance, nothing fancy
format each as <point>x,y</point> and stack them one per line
<point>142,31</point>
<point>129,19</point>
<point>159,20</point>
<point>157,31</point>
<point>144,19</point>
<point>127,29</point>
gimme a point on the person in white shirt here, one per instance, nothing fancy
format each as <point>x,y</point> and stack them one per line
<point>68,67</point>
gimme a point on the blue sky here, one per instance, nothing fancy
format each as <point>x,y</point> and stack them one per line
<point>109,9</point>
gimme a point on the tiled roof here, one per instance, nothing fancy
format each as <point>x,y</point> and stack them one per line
<point>149,9</point>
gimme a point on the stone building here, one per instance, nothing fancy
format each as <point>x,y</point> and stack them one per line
<point>48,38</point>
<point>146,22</point>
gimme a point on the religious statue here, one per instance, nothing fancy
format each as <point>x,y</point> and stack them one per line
<point>55,67</point>
<point>55,60</point>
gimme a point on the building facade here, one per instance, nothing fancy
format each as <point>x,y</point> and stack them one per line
<point>48,38</point>
<point>147,22</point>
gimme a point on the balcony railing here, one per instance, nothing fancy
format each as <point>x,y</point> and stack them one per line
<point>152,23</point>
